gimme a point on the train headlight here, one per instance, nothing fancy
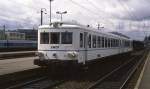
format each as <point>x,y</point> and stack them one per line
<point>72,54</point>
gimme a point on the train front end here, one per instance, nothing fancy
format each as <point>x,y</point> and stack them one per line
<point>56,46</point>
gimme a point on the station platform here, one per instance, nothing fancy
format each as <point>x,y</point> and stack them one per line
<point>144,78</point>
<point>16,65</point>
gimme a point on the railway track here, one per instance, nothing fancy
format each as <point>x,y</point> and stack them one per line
<point>40,83</point>
<point>113,75</point>
<point>96,71</point>
<point>101,78</point>
<point>118,78</point>
<point>16,78</point>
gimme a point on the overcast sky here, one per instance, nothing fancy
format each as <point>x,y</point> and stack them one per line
<point>130,17</point>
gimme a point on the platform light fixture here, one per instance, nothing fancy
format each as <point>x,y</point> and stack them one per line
<point>42,11</point>
<point>61,13</point>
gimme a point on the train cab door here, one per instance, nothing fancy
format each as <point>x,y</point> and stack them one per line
<point>85,46</point>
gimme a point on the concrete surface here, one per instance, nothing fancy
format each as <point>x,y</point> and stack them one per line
<point>16,65</point>
<point>144,78</point>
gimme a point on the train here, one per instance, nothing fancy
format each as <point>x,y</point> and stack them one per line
<point>74,44</point>
<point>17,45</point>
<point>138,45</point>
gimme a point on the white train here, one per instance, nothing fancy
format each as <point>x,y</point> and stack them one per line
<point>69,43</point>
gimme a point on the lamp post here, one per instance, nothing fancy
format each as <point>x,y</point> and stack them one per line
<point>42,10</point>
<point>50,10</point>
<point>61,13</point>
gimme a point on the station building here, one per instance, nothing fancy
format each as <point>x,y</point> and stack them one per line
<point>14,35</point>
<point>30,34</point>
<point>2,35</point>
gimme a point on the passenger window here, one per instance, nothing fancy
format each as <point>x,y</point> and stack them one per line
<point>103,42</point>
<point>81,40</point>
<point>94,41</point>
<point>111,42</point>
<point>98,42</point>
<point>54,38</point>
<point>89,41</point>
<point>66,37</point>
<point>118,43</point>
<point>44,38</point>
<point>114,42</point>
<point>106,42</point>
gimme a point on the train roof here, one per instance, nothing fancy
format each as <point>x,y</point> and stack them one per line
<point>120,34</point>
<point>77,25</point>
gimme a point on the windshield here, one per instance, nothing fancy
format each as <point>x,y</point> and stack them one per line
<point>66,37</point>
<point>54,38</point>
<point>44,38</point>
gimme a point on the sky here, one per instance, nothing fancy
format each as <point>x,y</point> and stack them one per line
<point>130,17</point>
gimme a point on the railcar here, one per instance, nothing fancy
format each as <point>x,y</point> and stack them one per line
<point>16,45</point>
<point>71,43</point>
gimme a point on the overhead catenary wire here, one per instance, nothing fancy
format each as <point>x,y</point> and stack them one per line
<point>92,4</point>
<point>89,10</point>
<point>81,6</point>
<point>127,9</point>
<point>98,9</point>
<point>132,15</point>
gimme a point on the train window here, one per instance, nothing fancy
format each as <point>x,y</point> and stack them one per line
<point>119,42</point>
<point>89,41</point>
<point>115,43</point>
<point>106,42</point>
<point>103,43</point>
<point>66,37</point>
<point>111,42</point>
<point>54,38</point>
<point>98,42</point>
<point>94,41</point>
<point>44,38</point>
<point>81,40</point>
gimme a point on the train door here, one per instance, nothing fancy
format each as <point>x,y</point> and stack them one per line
<point>85,46</point>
